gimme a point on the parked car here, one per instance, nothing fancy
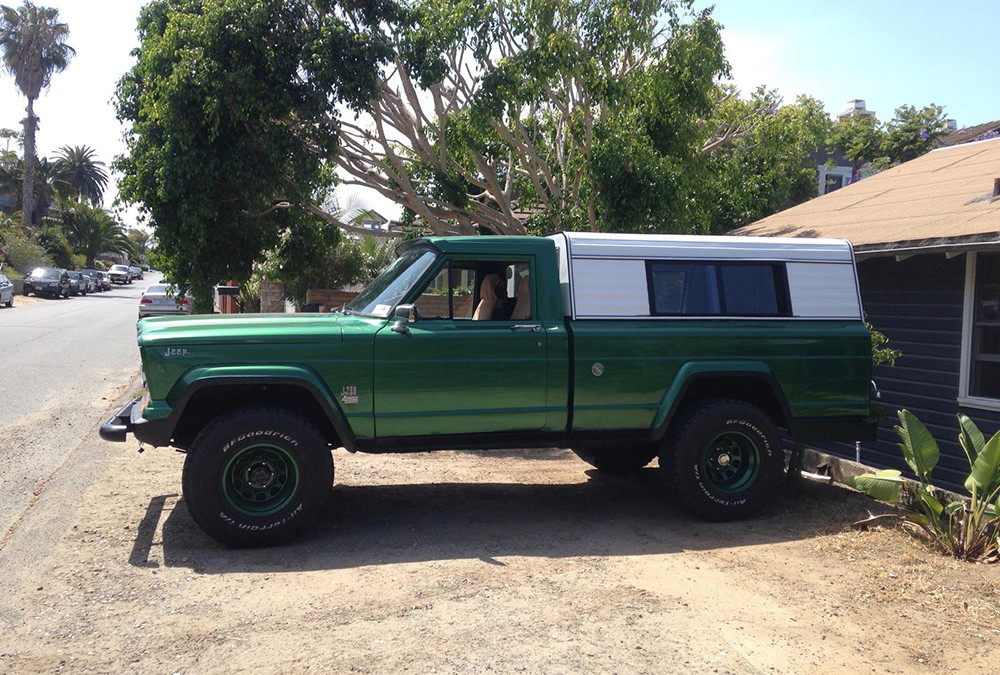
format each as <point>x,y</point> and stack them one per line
<point>120,274</point>
<point>105,280</point>
<point>95,276</point>
<point>136,271</point>
<point>50,281</point>
<point>92,286</point>
<point>162,300</point>
<point>6,291</point>
<point>78,283</point>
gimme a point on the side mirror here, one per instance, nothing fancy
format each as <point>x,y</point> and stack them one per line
<point>405,314</point>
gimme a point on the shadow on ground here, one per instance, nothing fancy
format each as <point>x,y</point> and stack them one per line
<point>601,516</point>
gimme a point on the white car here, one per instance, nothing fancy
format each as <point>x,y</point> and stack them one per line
<point>162,300</point>
<point>120,274</point>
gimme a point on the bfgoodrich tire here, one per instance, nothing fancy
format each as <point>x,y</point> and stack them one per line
<point>257,476</point>
<point>723,459</point>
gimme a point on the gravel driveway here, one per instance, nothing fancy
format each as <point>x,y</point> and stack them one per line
<point>475,562</point>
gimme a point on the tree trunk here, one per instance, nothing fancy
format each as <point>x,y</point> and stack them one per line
<point>28,194</point>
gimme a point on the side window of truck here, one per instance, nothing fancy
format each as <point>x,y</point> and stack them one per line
<point>484,290</point>
<point>682,288</point>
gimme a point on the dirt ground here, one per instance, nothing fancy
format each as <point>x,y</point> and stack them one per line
<point>469,562</point>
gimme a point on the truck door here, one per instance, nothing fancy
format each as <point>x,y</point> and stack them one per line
<point>473,362</point>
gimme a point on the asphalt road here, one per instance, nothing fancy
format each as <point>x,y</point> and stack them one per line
<point>63,362</point>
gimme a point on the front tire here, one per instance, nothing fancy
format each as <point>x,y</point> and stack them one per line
<point>257,476</point>
<point>723,460</point>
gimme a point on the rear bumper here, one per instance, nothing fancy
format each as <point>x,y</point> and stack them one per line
<point>129,420</point>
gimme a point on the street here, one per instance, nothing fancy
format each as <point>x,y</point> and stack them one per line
<point>61,362</point>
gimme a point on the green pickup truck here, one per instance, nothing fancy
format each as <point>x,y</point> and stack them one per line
<point>623,348</point>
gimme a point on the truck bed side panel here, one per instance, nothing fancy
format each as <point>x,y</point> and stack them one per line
<point>623,369</point>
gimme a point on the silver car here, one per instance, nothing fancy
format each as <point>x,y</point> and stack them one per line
<point>162,300</point>
<point>6,291</point>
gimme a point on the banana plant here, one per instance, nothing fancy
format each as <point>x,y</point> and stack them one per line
<point>966,529</point>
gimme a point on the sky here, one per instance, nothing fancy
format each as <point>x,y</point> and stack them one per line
<point>887,52</point>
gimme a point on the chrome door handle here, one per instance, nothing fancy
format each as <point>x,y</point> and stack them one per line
<point>533,327</point>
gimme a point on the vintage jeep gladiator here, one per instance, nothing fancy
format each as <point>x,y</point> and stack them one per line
<point>624,348</point>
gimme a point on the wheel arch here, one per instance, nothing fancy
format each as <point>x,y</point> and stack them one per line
<point>206,398</point>
<point>751,382</point>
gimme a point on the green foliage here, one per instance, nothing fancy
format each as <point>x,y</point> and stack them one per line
<point>869,144</point>
<point>767,166</point>
<point>859,139</point>
<point>91,231</point>
<point>882,353</point>
<point>81,173</point>
<point>33,46</point>
<point>55,243</point>
<point>232,108</point>
<point>23,253</point>
<point>968,529</point>
<point>913,132</point>
<point>582,114</point>
<point>141,242</point>
<point>302,254</point>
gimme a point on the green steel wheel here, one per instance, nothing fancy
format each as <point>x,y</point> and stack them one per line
<point>731,461</point>
<point>257,476</point>
<point>260,480</point>
<point>722,459</point>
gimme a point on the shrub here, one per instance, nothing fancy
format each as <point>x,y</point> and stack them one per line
<point>966,528</point>
<point>25,254</point>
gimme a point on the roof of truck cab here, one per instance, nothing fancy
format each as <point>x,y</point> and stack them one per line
<point>655,246</point>
<point>480,244</point>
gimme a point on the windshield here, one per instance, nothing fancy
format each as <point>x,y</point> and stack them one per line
<point>381,296</point>
<point>119,268</point>
<point>46,273</point>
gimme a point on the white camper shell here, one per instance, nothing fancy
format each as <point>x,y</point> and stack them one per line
<point>619,276</point>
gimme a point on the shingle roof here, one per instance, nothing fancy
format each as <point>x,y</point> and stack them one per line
<point>970,133</point>
<point>944,198</point>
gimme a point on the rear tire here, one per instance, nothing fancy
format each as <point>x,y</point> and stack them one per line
<point>257,476</point>
<point>722,460</point>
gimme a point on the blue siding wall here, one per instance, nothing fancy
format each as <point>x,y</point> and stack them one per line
<point>917,303</point>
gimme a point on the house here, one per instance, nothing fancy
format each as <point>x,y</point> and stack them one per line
<point>926,236</point>
<point>979,132</point>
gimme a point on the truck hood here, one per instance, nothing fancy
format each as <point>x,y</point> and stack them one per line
<point>241,329</point>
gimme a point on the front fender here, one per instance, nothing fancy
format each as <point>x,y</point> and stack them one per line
<point>166,414</point>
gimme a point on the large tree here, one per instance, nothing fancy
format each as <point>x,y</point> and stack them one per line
<point>233,107</point>
<point>869,145</point>
<point>770,166</point>
<point>564,113</point>
<point>33,42</point>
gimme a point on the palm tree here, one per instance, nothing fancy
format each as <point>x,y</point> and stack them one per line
<point>43,185</point>
<point>33,44</point>
<point>141,241</point>
<point>84,175</point>
<point>92,231</point>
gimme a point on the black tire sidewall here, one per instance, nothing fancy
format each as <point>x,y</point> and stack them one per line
<point>218,443</point>
<point>684,460</point>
